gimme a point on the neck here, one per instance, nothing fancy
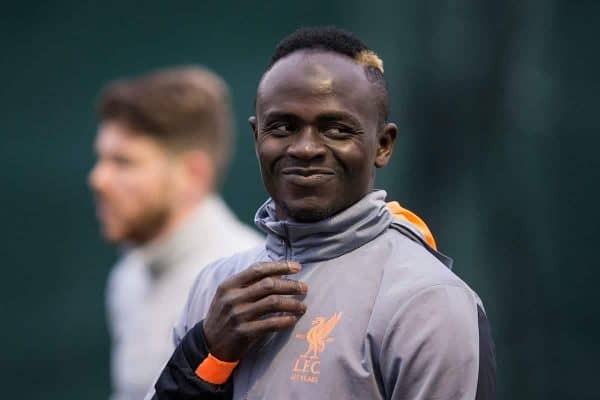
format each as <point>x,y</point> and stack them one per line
<point>326,238</point>
<point>173,222</point>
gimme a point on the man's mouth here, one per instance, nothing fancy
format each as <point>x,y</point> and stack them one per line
<point>307,176</point>
<point>307,171</point>
<point>103,210</point>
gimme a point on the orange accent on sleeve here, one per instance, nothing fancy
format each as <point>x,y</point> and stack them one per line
<point>215,371</point>
<point>398,211</point>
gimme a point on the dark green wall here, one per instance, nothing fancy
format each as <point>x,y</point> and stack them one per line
<point>497,105</point>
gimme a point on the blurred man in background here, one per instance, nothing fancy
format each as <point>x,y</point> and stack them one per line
<point>162,145</point>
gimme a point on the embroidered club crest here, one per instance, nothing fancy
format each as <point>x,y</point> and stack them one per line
<point>306,366</point>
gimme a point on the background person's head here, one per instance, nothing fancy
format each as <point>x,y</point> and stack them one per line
<point>321,124</point>
<point>163,143</point>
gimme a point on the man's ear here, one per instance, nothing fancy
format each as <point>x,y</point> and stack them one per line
<point>199,170</point>
<point>385,144</point>
<point>252,122</point>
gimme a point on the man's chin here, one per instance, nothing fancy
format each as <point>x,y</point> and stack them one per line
<point>310,209</point>
<point>308,213</point>
<point>113,236</point>
<point>115,233</point>
<point>132,235</point>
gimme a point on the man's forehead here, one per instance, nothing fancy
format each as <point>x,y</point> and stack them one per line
<point>117,135</point>
<point>317,71</point>
<point>320,74</point>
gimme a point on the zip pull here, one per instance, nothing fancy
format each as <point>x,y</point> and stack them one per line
<point>287,247</point>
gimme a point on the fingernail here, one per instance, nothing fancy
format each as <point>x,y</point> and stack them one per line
<point>294,266</point>
<point>303,287</point>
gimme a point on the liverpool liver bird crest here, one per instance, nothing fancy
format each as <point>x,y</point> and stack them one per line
<point>318,335</point>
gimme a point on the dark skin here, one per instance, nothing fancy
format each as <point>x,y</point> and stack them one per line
<point>243,309</point>
<point>319,138</point>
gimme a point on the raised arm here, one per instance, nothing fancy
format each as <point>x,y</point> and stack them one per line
<point>245,307</point>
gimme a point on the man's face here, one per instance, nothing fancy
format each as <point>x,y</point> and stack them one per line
<point>318,134</point>
<point>131,184</point>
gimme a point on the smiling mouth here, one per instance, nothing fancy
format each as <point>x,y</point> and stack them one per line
<point>306,172</point>
<point>305,177</point>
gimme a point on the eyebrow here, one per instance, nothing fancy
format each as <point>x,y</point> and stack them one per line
<point>325,117</point>
<point>338,116</point>
<point>280,115</point>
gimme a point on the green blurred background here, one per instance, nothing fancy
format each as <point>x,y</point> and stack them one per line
<point>497,106</point>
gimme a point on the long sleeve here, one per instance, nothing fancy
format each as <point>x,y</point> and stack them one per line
<point>431,347</point>
<point>178,380</point>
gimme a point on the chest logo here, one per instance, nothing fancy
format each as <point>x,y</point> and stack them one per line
<point>307,365</point>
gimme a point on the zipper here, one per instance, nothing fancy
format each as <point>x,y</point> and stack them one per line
<point>286,244</point>
<point>287,253</point>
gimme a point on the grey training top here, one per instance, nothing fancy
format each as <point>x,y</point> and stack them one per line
<point>386,319</point>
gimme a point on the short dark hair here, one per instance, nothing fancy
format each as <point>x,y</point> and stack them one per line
<point>338,41</point>
<point>180,107</point>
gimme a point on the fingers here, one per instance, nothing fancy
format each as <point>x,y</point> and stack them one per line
<point>252,303</point>
<point>259,271</point>
<point>269,286</point>
<point>268,305</point>
<point>254,329</point>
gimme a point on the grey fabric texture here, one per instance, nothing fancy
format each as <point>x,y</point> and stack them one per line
<point>386,319</point>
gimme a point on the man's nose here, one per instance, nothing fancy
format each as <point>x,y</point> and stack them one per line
<point>98,177</point>
<point>307,144</point>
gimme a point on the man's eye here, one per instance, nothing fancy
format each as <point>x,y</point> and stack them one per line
<point>337,132</point>
<point>122,161</point>
<point>280,128</point>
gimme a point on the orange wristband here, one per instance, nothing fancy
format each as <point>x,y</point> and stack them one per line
<point>215,371</point>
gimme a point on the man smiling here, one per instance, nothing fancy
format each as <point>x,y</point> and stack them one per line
<point>348,298</point>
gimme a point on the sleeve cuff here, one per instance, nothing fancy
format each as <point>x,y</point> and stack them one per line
<point>207,367</point>
<point>215,371</point>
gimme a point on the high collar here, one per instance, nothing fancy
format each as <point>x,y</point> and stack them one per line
<point>328,238</point>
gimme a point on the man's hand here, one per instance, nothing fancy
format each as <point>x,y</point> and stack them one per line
<point>251,304</point>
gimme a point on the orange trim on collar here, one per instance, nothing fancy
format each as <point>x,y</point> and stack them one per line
<point>398,211</point>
